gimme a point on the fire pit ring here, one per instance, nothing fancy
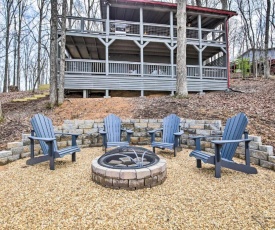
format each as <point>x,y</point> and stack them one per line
<point>129,168</point>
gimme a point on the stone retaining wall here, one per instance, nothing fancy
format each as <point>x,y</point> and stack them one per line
<point>88,137</point>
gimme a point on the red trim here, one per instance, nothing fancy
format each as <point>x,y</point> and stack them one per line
<point>188,7</point>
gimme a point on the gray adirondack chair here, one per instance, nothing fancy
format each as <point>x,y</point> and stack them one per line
<point>44,133</point>
<point>226,148</point>
<point>171,134</point>
<point>112,132</point>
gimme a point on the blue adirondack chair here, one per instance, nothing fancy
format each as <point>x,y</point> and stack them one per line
<point>171,134</point>
<point>44,133</point>
<point>226,148</point>
<point>112,131</point>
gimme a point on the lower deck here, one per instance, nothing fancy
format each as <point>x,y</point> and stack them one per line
<point>96,75</point>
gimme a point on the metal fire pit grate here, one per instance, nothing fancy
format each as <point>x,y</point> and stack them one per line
<point>128,158</point>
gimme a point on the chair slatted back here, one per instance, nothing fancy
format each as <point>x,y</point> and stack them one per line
<point>43,127</point>
<point>112,125</point>
<point>234,129</point>
<point>171,125</point>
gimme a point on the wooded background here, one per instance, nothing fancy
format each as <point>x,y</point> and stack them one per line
<point>25,33</point>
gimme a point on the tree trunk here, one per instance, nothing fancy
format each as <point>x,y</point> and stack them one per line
<point>62,54</point>
<point>266,62</point>
<point>1,113</point>
<point>38,76</point>
<point>198,2</point>
<point>224,4</point>
<point>53,54</point>
<point>7,42</point>
<point>181,50</point>
<point>21,12</point>
<point>14,54</point>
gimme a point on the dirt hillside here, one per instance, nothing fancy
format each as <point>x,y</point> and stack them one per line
<point>255,97</point>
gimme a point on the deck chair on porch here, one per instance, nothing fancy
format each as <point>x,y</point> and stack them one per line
<point>225,148</point>
<point>112,131</point>
<point>43,132</point>
<point>171,134</point>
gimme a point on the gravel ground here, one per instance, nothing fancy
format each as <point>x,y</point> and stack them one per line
<point>33,197</point>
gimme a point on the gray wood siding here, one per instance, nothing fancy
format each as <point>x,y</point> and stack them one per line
<point>102,82</point>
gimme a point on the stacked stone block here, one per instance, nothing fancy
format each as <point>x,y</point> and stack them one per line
<point>130,179</point>
<point>89,136</point>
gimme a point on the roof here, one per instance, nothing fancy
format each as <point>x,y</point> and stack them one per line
<point>174,5</point>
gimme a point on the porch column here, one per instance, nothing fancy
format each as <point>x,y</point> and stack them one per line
<point>200,51</point>
<point>141,46</point>
<point>85,93</point>
<point>107,20</point>
<point>107,43</point>
<point>171,47</point>
<point>171,28</point>
<point>141,24</point>
<point>227,54</point>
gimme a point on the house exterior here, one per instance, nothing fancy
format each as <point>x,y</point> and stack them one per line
<point>133,47</point>
<point>259,58</point>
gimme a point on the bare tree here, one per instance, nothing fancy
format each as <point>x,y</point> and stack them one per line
<point>181,50</point>
<point>22,9</point>
<point>14,52</point>
<point>8,16</point>
<point>41,6</point>
<point>246,10</point>
<point>198,2</point>
<point>53,54</point>
<point>266,62</point>
<point>224,4</point>
<point>62,54</point>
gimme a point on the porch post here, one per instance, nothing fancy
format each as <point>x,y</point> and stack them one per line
<point>85,93</point>
<point>141,46</point>
<point>227,54</point>
<point>171,28</point>
<point>107,20</point>
<point>200,51</point>
<point>172,49</point>
<point>107,45</point>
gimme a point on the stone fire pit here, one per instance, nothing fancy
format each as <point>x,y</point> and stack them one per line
<point>129,168</point>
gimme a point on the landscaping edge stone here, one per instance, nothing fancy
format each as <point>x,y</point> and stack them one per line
<point>88,130</point>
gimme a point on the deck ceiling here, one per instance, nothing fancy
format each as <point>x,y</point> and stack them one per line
<point>91,48</point>
<point>129,11</point>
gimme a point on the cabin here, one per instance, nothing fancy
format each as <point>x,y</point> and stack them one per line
<point>133,47</point>
<point>259,59</point>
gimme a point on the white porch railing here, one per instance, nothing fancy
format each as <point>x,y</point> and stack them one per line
<point>94,67</point>
<point>128,28</point>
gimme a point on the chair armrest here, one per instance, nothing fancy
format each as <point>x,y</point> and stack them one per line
<point>153,134</point>
<point>129,131</point>
<point>71,134</point>
<point>154,131</point>
<point>178,133</point>
<point>41,138</point>
<point>196,137</point>
<point>102,132</point>
<point>221,142</point>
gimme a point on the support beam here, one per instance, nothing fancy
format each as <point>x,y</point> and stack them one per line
<point>107,94</point>
<point>85,93</point>
<point>141,24</point>
<point>171,28</point>
<point>200,52</point>
<point>171,48</point>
